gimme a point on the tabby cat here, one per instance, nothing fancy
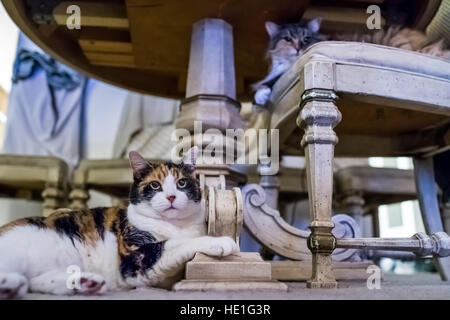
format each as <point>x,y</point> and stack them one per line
<point>145,244</point>
<point>289,41</point>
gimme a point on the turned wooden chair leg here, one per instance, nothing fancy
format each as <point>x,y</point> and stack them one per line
<point>429,206</point>
<point>375,222</point>
<point>318,117</point>
<point>79,197</point>
<point>54,198</point>
<point>353,204</point>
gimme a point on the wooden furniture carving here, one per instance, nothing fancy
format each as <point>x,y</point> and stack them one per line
<point>266,225</point>
<point>318,116</point>
<point>241,271</point>
<point>370,82</point>
<point>35,178</point>
<point>211,103</point>
<point>224,212</point>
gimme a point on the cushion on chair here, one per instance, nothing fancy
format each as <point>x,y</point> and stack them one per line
<point>368,54</point>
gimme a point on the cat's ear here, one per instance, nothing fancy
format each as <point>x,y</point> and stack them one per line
<point>140,166</point>
<point>314,25</point>
<point>272,28</point>
<point>190,157</point>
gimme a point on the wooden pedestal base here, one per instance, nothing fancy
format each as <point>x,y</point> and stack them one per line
<point>241,271</point>
<point>202,285</point>
<point>302,270</point>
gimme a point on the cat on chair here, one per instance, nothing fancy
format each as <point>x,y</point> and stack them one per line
<point>289,41</point>
<point>145,244</point>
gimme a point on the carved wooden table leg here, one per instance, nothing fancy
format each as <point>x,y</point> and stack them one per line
<point>318,117</point>
<point>211,104</point>
<point>429,205</point>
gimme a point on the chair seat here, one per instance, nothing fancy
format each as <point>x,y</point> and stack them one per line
<point>374,55</point>
<point>34,178</point>
<point>393,101</point>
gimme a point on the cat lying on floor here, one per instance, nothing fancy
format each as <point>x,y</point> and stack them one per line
<point>289,41</point>
<point>146,244</point>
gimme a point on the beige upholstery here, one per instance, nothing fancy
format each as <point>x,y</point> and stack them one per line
<point>389,98</point>
<point>370,55</point>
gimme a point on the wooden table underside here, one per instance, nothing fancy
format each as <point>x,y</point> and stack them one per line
<point>143,45</point>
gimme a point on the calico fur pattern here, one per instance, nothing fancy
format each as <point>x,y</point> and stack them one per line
<point>145,244</point>
<point>138,250</point>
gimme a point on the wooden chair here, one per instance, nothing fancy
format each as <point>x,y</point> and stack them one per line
<point>35,178</point>
<point>390,102</point>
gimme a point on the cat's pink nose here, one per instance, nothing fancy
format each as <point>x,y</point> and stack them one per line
<point>171,198</point>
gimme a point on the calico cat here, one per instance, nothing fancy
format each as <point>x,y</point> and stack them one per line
<point>289,41</point>
<point>145,244</point>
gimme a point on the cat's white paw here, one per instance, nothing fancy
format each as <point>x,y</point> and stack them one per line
<point>262,95</point>
<point>91,284</point>
<point>12,286</point>
<point>220,246</point>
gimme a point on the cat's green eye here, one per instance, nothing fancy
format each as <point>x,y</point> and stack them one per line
<point>182,183</point>
<point>155,185</point>
<point>288,39</point>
